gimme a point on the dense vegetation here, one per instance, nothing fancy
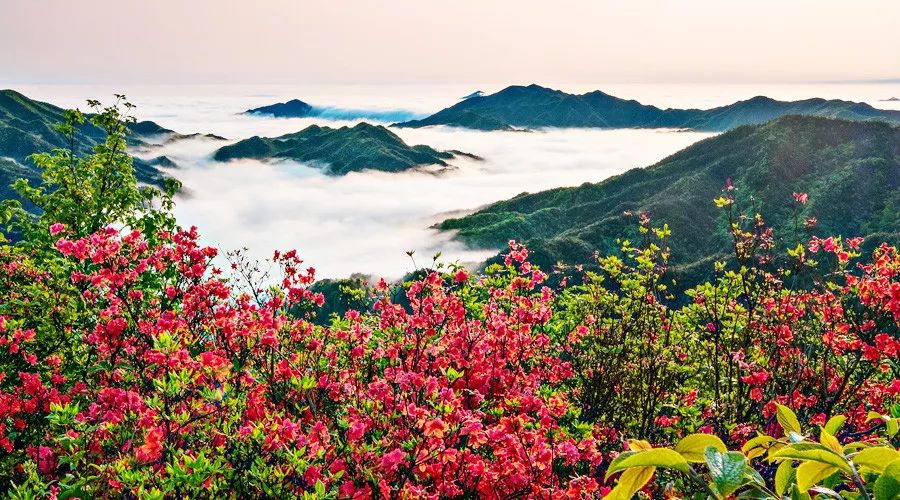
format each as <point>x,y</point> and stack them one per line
<point>133,365</point>
<point>851,171</point>
<point>339,150</point>
<point>28,127</point>
<point>536,107</point>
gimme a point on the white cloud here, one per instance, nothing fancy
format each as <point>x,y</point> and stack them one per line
<point>366,221</point>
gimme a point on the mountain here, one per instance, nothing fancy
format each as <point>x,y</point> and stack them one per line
<point>27,127</point>
<point>295,108</point>
<point>346,149</point>
<point>477,93</point>
<point>851,171</point>
<point>534,106</point>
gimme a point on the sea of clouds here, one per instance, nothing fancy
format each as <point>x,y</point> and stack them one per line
<point>366,222</point>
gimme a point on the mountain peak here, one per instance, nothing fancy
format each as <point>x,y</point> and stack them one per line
<point>533,106</point>
<point>294,108</point>
<point>338,151</point>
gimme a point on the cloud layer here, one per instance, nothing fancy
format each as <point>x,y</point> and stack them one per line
<point>365,222</point>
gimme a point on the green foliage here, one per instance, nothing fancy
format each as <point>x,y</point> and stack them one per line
<point>802,466</point>
<point>164,379</point>
<point>343,150</point>
<point>28,127</point>
<point>849,169</point>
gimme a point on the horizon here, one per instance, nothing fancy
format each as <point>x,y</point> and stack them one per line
<point>282,42</point>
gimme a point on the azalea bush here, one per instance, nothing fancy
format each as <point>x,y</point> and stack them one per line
<point>138,362</point>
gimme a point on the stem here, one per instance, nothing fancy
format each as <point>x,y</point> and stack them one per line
<point>858,481</point>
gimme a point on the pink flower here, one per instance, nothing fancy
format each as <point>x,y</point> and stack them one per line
<point>390,461</point>
<point>801,198</point>
<point>57,228</point>
<point>756,394</point>
<point>357,431</point>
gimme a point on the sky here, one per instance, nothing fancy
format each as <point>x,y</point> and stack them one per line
<point>374,41</point>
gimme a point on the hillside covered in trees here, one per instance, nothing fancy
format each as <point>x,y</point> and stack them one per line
<point>339,150</point>
<point>851,171</point>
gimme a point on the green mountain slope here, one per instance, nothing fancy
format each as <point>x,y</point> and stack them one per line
<point>535,107</point>
<point>26,127</point>
<point>851,171</point>
<point>340,150</point>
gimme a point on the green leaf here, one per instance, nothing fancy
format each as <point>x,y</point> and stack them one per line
<point>630,482</point>
<point>827,439</point>
<point>796,494</point>
<point>726,469</point>
<point>814,452</point>
<point>757,446</point>
<point>656,457</point>
<point>834,424</point>
<point>692,447</point>
<point>876,458</point>
<point>787,419</point>
<point>826,492</point>
<point>887,486</point>
<point>784,476</point>
<point>810,473</point>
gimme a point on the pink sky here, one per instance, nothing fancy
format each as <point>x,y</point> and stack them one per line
<point>168,41</point>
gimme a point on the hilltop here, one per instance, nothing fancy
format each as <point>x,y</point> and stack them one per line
<point>851,171</point>
<point>295,108</point>
<point>340,150</point>
<point>517,107</point>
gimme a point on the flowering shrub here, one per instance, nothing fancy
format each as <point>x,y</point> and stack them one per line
<point>183,386</point>
<point>133,365</point>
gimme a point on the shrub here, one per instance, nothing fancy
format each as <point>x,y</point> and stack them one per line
<point>134,364</point>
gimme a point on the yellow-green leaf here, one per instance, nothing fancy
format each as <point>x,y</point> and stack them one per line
<point>755,452</point>
<point>876,458</point>
<point>810,474</point>
<point>873,415</point>
<point>693,446</point>
<point>834,424</point>
<point>784,475</point>
<point>638,445</point>
<point>813,452</point>
<point>760,440</point>
<point>787,419</point>
<point>830,441</point>
<point>630,482</point>
<point>656,457</point>
<point>721,201</point>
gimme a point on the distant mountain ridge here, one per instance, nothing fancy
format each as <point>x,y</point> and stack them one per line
<point>851,171</point>
<point>295,108</point>
<point>533,106</point>
<point>341,150</point>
